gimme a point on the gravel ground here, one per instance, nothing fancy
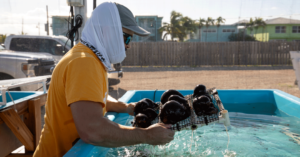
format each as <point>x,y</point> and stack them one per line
<point>150,78</point>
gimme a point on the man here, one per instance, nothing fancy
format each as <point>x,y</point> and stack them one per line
<point>77,96</point>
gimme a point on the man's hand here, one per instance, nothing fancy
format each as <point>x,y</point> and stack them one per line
<point>94,129</point>
<point>130,108</point>
<point>114,105</point>
<point>159,134</point>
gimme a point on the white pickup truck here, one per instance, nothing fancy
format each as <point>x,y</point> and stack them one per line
<point>52,46</point>
<point>20,65</point>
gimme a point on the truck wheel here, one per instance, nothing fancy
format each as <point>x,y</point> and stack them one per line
<point>6,77</point>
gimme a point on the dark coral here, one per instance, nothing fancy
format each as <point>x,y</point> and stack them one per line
<point>165,96</point>
<point>144,112</point>
<point>200,90</point>
<point>203,106</point>
<point>172,112</point>
<point>142,121</point>
<point>183,102</point>
<point>143,105</point>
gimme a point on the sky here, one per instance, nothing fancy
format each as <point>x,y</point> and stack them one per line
<point>33,12</point>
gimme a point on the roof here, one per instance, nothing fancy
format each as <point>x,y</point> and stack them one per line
<point>148,16</point>
<point>241,21</point>
<point>59,16</point>
<point>281,20</point>
<point>222,25</point>
<point>35,36</point>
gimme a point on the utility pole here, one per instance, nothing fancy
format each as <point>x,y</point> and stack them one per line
<point>72,26</point>
<point>47,25</point>
<point>94,4</point>
<point>22,25</point>
<point>82,10</point>
<point>38,26</point>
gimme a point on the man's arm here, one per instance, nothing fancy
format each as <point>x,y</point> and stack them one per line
<point>113,105</point>
<point>95,129</point>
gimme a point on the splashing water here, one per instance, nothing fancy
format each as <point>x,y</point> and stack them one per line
<point>228,136</point>
<point>251,135</point>
<point>227,152</point>
<point>192,139</point>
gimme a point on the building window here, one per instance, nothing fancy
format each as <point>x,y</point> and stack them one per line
<point>280,29</point>
<point>229,30</point>
<point>209,30</point>
<point>296,29</point>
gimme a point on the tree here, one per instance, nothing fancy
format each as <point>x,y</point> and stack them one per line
<point>247,25</point>
<point>201,24</point>
<point>245,28</point>
<point>208,23</point>
<point>263,25</point>
<point>239,37</point>
<point>3,37</point>
<point>219,21</point>
<point>172,28</point>
<point>188,26</point>
<point>167,28</point>
<point>178,27</point>
<point>259,22</point>
<point>250,25</point>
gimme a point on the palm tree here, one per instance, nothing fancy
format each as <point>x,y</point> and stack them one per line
<point>219,21</point>
<point>263,24</point>
<point>188,26</point>
<point>209,22</point>
<point>178,27</point>
<point>245,24</point>
<point>172,28</point>
<point>259,22</point>
<point>250,25</point>
<point>201,24</point>
<point>167,28</point>
<point>175,23</point>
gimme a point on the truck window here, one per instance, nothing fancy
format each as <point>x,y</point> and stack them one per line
<point>50,46</point>
<point>36,45</point>
<point>47,45</point>
<point>65,41</point>
<point>24,44</point>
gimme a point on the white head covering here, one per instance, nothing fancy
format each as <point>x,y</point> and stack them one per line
<point>103,34</point>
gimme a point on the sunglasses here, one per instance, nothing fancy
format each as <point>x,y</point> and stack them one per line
<point>127,38</point>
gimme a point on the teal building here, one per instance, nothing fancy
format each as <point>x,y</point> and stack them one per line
<point>59,25</point>
<point>213,33</point>
<point>151,24</point>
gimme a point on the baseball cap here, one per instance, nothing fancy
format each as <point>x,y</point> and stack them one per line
<point>129,22</point>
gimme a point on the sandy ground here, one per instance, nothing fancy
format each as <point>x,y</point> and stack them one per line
<point>136,78</point>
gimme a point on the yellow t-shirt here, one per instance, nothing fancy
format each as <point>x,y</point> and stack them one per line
<point>78,76</point>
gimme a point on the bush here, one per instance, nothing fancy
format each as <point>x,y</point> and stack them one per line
<point>239,37</point>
